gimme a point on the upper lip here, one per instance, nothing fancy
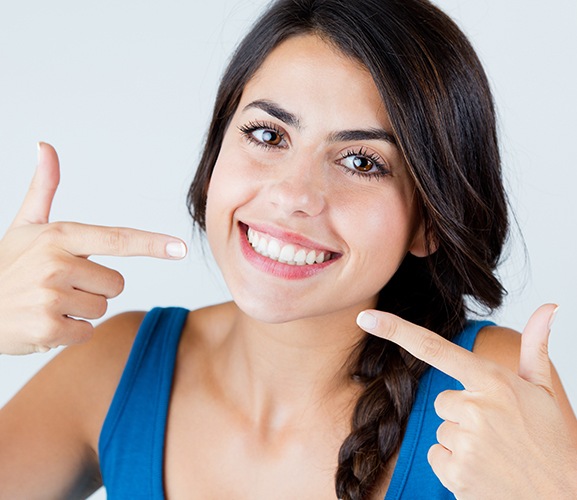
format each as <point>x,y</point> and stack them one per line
<point>288,237</point>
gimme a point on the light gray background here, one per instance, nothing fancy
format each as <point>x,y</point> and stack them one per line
<point>124,91</point>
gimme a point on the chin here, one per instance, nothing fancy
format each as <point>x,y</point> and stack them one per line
<point>269,311</point>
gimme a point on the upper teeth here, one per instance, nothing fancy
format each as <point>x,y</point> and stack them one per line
<point>285,252</point>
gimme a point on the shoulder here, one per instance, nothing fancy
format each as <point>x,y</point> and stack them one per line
<point>503,346</point>
<point>87,374</point>
<point>499,344</point>
<point>62,409</point>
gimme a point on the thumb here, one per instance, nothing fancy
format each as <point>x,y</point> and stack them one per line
<point>36,206</point>
<point>534,364</point>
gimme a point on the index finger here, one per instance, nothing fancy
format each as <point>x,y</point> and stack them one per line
<point>459,363</point>
<point>85,240</point>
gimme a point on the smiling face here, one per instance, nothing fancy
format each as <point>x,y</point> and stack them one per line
<point>310,209</point>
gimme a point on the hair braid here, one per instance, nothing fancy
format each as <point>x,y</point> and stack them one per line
<point>379,417</point>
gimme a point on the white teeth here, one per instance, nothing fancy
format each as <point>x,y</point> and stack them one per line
<point>311,256</point>
<point>273,249</point>
<point>262,247</point>
<point>300,258</point>
<point>286,254</point>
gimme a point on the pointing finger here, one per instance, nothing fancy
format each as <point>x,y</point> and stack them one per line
<point>429,347</point>
<point>36,206</point>
<point>85,240</point>
<point>534,364</point>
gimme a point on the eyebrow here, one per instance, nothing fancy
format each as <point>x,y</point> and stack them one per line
<point>275,110</point>
<point>370,134</point>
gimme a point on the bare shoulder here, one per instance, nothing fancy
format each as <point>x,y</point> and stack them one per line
<point>499,344</point>
<point>503,346</point>
<point>60,413</point>
<point>81,380</point>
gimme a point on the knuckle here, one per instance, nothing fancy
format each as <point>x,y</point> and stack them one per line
<point>115,284</point>
<point>431,347</point>
<point>101,307</point>
<point>472,411</point>
<point>50,300</point>
<point>115,239</point>
<point>52,232</point>
<point>544,350</point>
<point>441,432</point>
<point>390,329</point>
<point>500,378</point>
<point>467,449</point>
<point>52,270</point>
<point>120,283</point>
<point>49,331</point>
<point>151,247</point>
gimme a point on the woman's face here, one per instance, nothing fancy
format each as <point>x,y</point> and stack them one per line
<point>310,208</point>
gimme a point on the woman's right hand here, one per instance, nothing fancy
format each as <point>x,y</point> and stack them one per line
<point>48,287</point>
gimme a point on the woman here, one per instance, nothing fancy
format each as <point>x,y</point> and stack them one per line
<point>345,170</point>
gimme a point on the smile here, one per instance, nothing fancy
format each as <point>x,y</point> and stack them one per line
<point>286,253</point>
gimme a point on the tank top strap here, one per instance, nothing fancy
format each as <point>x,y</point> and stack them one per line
<point>413,478</point>
<point>131,444</point>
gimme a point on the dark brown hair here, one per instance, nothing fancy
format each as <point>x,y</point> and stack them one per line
<point>441,110</point>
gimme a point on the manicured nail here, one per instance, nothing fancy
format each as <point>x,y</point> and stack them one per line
<point>366,320</point>
<point>552,317</point>
<point>176,249</point>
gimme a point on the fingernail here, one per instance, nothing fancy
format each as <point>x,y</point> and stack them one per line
<point>366,320</point>
<point>176,249</point>
<point>552,317</point>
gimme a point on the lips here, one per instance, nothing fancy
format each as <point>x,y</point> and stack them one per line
<point>283,254</point>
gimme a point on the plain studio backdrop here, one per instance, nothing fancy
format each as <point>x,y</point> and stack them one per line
<point>124,92</point>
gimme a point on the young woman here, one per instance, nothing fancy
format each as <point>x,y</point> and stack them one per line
<point>351,166</point>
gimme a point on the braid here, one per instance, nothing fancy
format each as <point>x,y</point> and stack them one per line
<point>379,418</point>
<point>390,377</point>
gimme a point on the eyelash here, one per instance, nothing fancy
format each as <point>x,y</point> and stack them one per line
<point>248,129</point>
<point>247,133</point>
<point>376,160</point>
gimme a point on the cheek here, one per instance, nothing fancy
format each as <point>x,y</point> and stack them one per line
<point>381,219</point>
<point>230,187</point>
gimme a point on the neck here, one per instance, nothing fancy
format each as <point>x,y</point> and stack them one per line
<point>277,373</point>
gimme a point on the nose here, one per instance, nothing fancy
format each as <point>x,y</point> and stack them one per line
<point>298,190</point>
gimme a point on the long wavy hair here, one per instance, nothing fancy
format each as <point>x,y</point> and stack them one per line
<point>441,109</point>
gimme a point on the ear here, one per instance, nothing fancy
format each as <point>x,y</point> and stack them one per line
<point>423,245</point>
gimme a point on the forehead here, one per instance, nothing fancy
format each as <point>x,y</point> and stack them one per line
<point>312,77</point>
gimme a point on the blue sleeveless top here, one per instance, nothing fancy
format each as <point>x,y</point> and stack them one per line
<point>131,445</point>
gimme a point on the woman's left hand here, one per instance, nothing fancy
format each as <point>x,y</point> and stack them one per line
<point>504,436</point>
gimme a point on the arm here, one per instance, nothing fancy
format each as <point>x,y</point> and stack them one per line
<point>48,290</point>
<point>49,431</point>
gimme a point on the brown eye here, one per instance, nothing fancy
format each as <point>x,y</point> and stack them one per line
<point>268,136</point>
<point>362,164</point>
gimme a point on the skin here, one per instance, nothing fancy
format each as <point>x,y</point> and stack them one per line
<point>261,398</point>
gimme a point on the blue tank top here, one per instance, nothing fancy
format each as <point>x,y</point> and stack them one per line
<point>131,445</point>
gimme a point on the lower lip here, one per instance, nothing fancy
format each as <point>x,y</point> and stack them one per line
<point>275,268</point>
